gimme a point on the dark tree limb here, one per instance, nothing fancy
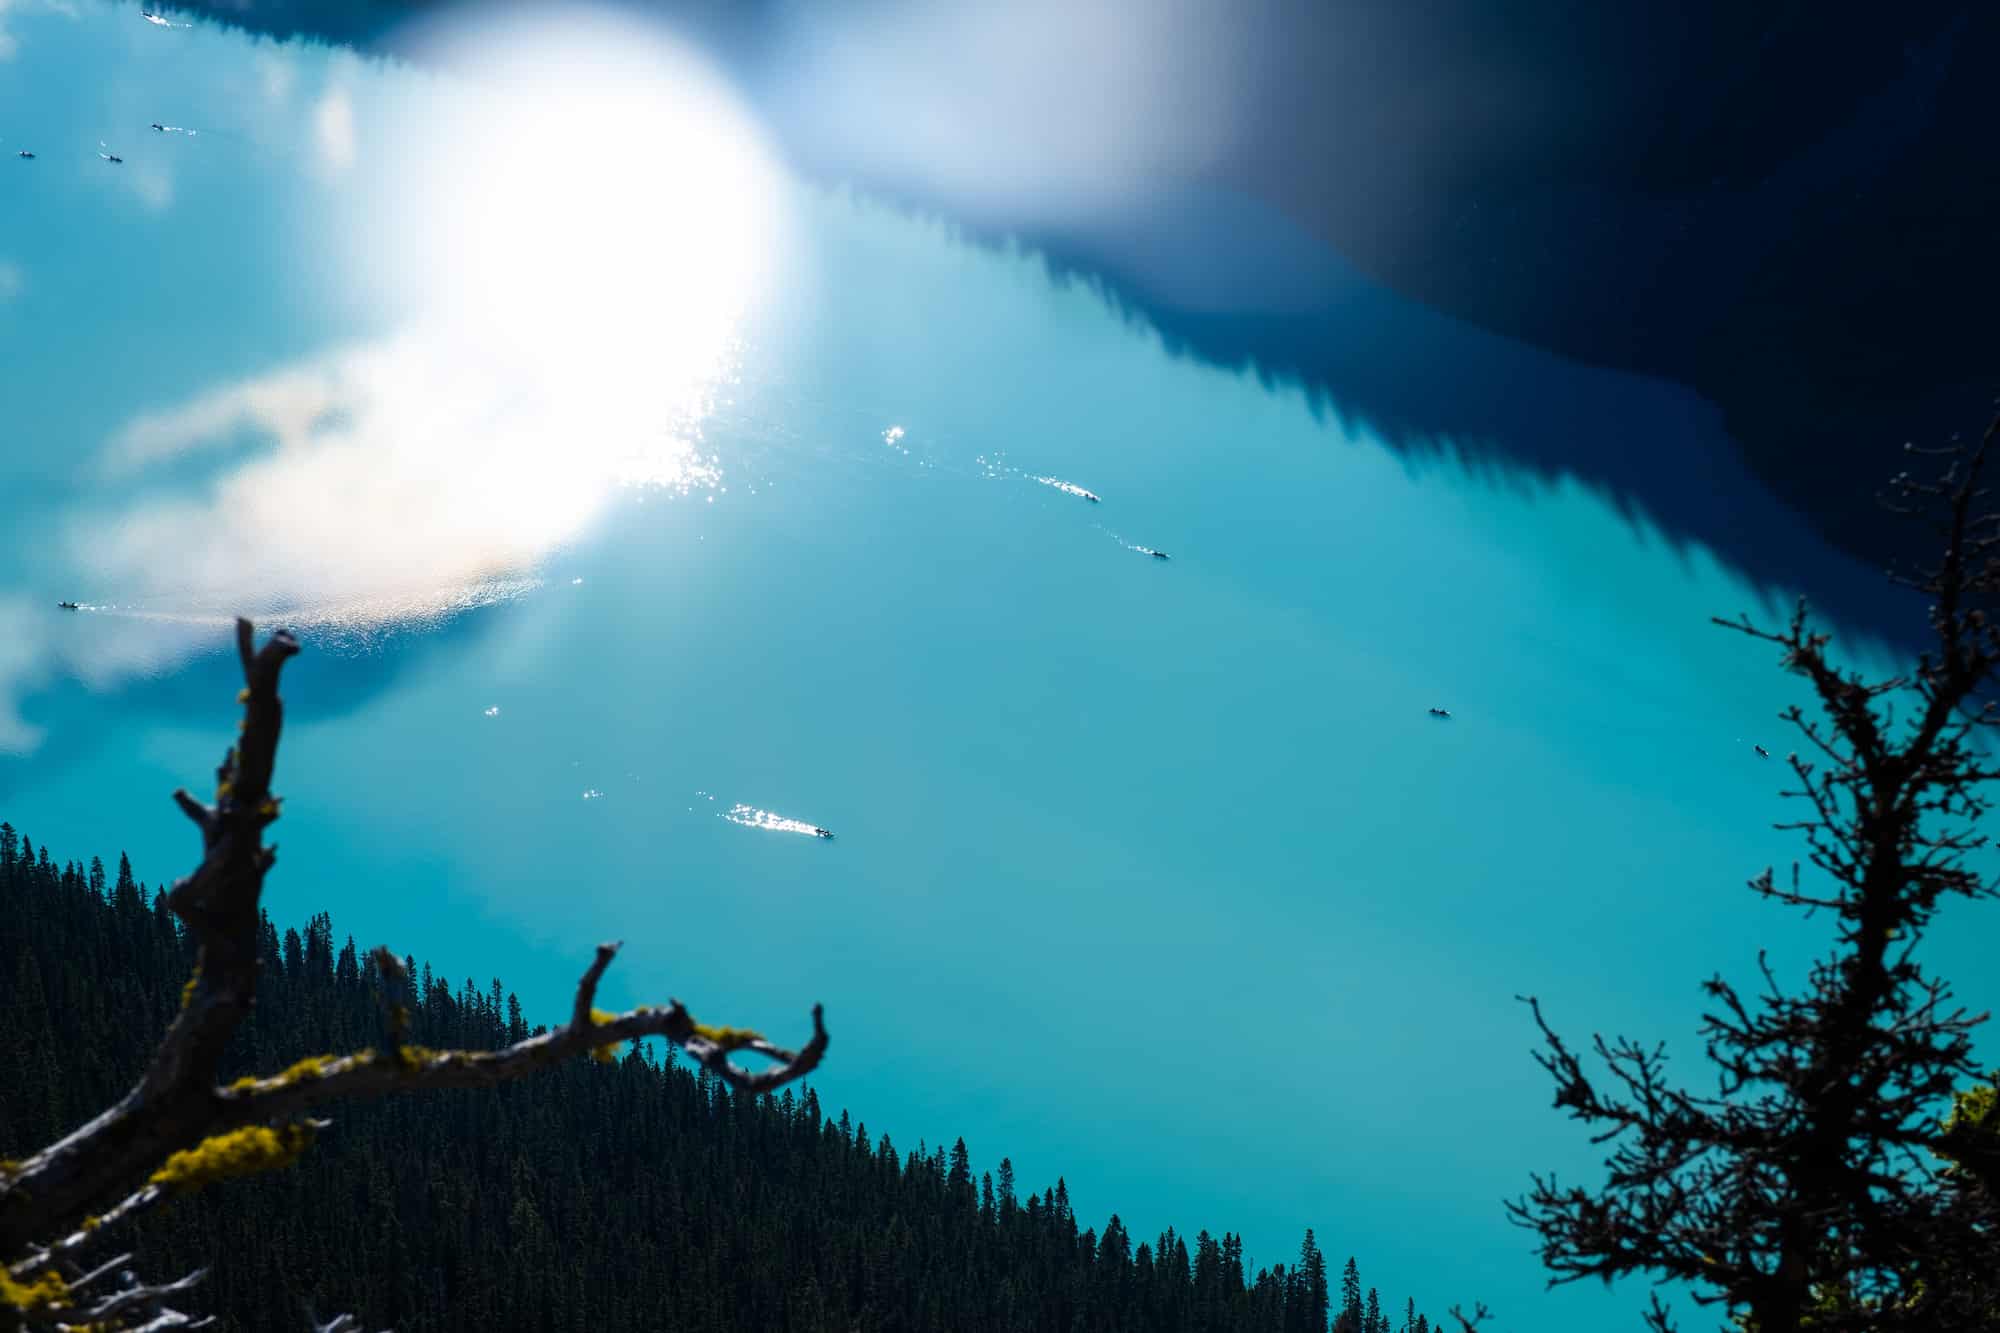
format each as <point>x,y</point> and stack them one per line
<point>73,1244</point>
<point>1469,1323</point>
<point>366,1074</point>
<point>134,1299</point>
<point>172,1106</point>
<point>171,1130</point>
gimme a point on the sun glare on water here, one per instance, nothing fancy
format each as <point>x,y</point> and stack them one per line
<point>558,242</point>
<point>563,235</point>
<point>577,224</point>
<point>592,196</point>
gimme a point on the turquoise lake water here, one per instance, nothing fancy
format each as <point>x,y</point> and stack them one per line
<point>1154,875</point>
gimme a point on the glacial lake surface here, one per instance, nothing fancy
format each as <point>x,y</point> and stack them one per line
<point>741,507</point>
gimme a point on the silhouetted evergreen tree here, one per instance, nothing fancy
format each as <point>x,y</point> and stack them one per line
<point>1349,1319</point>
<point>1311,1306</point>
<point>1840,1173</point>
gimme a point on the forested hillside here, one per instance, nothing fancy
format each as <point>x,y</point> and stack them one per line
<point>634,1194</point>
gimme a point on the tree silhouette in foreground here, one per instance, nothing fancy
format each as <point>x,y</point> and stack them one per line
<point>1817,1188</point>
<point>177,1130</point>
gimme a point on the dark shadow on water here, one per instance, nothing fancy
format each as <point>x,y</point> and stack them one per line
<point>329,679</point>
<point>1512,415</point>
<point>1762,293</point>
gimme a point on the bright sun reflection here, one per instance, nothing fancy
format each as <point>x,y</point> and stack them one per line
<point>560,241</point>
<point>570,233</point>
<point>595,197</point>
<point>579,222</point>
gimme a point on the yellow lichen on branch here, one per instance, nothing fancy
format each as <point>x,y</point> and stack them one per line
<point>1972,1134</point>
<point>414,1058</point>
<point>241,1152</point>
<point>1973,1110</point>
<point>726,1038</point>
<point>313,1066</point>
<point>187,991</point>
<point>47,1292</point>
<point>607,1054</point>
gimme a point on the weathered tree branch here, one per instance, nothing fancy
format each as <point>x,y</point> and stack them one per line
<point>71,1245</point>
<point>366,1074</point>
<point>1469,1323</point>
<point>171,1108</point>
<point>176,1129</point>
<point>134,1299</point>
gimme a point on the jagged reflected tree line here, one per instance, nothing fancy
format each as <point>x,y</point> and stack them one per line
<point>637,1194</point>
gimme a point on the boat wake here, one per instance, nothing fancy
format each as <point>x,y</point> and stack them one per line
<point>749,816</point>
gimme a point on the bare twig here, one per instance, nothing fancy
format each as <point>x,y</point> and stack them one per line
<point>1469,1323</point>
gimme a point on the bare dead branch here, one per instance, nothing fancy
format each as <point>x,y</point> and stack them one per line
<point>134,1299</point>
<point>69,1246</point>
<point>170,1108</point>
<point>366,1075</point>
<point>1469,1323</point>
<point>129,1149</point>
